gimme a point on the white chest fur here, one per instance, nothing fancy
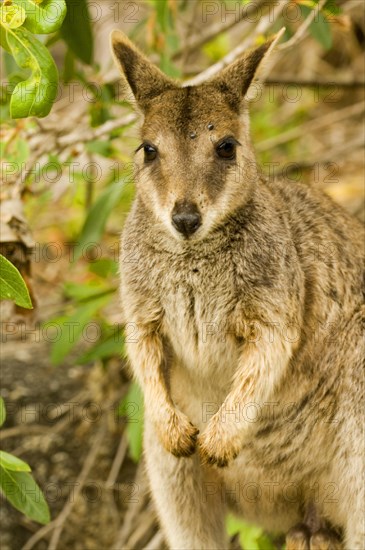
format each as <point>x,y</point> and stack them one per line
<point>196,323</point>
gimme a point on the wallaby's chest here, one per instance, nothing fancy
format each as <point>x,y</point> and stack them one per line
<point>198,300</point>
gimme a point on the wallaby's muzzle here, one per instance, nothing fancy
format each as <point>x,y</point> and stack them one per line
<point>186,218</point>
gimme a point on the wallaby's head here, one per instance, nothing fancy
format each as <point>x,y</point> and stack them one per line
<point>195,165</point>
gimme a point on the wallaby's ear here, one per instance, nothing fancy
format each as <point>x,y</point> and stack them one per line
<point>143,77</point>
<point>236,79</point>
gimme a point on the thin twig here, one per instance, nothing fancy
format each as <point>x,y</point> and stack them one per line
<point>264,24</point>
<point>145,525</point>
<point>198,40</point>
<point>88,464</point>
<point>89,134</point>
<point>118,461</point>
<point>156,542</point>
<point>330,156</point>
<point>133,511</point>
<point>293,81</point>
<point>39,535</point>
<point>25,429</point>
<point>191,27</point>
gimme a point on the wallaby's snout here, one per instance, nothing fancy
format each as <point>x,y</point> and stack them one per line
<point>186,218</point>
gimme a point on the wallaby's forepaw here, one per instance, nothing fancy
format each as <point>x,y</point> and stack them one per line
<point>216,445</point>
<point>300,538</point>
<point>179,436</point>
<point>325,539</point>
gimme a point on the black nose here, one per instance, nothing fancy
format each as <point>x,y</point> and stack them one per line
<point>186,218</point>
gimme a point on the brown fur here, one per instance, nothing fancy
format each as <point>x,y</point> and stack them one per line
<point>260,307</point>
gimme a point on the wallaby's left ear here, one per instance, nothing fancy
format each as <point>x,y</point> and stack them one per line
<point>145,80</point>
<point>237,77</point>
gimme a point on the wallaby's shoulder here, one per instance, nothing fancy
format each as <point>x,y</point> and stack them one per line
<point>311,211</point>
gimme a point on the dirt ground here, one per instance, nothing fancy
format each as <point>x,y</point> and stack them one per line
<point>53,424</point>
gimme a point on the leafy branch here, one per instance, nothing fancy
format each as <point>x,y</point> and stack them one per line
<point>19,20</point>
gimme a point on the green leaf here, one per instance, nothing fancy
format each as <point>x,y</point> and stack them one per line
<point>96,219</point>
<point>265,542</point>
<point>103,350</point>
<point>69,66</point>
<point>104,267</point>
<point>35,95</point>
<point>70,328</point>
<point>85,292</point>
<point>217,48</point>
<point>43,17</point>
<point>12,285</point>
<point>101,147</point>
<point>132,407</point>
<point>22,149</point>
<point>331,8</point>
<point>77,31</point>
<point>24,494</point>
<point>167,67</point>
<point>251,536</point>
<point>11,462</point>
<point>321,31</point>
<point>16,150</point>
<point>320,28</point>
<point>4,38</point>
<point>2,411</point>
<point>12,16</point>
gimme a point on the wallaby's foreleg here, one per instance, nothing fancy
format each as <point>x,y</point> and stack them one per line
<point>174,429</point>
<point>189,504</point>
<point>261,366</point>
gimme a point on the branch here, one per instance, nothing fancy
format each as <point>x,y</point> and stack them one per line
<point>39,535</point>
<point>134,510</point>
<point>88,464</point>
<point>90,134</point>
<point>197,41</point>
<point>144,528</point>
<point>331,156</point>
<point>311,126</point>
<point>291,80</point>
<point>156,542</point>
<point>48,141</point>
<point>264,24</point>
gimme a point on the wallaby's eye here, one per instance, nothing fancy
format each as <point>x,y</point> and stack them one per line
<point>226,149</point>
<point>150,153</point>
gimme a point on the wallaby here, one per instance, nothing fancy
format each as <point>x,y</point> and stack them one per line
<point>245,297</point>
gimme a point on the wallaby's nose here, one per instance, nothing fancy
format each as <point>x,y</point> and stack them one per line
<point>186,218</point>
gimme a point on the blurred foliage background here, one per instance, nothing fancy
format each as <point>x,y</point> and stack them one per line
<point>67,185</point>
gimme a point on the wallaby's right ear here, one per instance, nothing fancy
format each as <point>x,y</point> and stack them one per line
<point>145,79</point>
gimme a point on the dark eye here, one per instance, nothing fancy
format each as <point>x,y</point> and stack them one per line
<point>150,153</point>
<point>226,149</point>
